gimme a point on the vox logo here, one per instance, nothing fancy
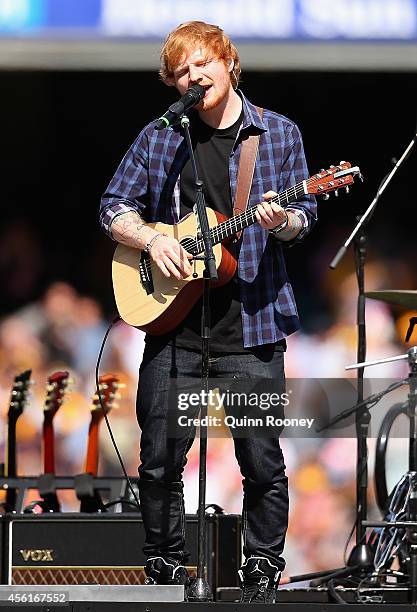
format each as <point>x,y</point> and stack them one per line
<point>37,555</point>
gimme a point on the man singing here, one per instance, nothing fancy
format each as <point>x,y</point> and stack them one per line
<point>251,315</point>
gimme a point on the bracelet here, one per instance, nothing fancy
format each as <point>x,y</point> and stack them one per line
<point>279,228</point>
<point>151,241</point>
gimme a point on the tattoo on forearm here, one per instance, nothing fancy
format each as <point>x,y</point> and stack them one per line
<point>125,228</point>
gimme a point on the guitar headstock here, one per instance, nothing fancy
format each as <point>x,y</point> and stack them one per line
<point>333,179</point>
<point>108,386</point>
<point>56,389</point>
<point>18,398</point>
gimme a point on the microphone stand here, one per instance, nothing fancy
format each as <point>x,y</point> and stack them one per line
<point>200,589</point>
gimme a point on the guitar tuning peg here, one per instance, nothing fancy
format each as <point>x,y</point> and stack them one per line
<point>332,166</point>
<point>347,188</point>
<point>336,192</point>
<point>326,196</point>
<point>322,170</point>
<point>342,162</point>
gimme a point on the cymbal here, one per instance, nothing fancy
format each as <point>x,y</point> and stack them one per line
<point>400,297</point>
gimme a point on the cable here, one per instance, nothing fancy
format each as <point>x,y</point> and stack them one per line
<point>331,585</point>
<point>129,484</point>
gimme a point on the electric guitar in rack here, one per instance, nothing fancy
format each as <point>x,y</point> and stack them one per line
<point>89,496</point>
<point>108,387</point>
<point>18,401</point>
<point>56,389</point>
<point>148,300</point>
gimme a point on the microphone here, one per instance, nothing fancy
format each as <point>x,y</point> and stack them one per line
<point>192,96</point>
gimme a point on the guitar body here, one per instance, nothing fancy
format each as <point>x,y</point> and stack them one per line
<point>162,310</point>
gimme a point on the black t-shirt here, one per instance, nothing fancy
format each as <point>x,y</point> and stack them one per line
<point>212,148</point>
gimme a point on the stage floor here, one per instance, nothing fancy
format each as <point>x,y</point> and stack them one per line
<point>206,607</point>
<point>145,598</point>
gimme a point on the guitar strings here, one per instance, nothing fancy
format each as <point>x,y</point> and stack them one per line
<point>196,245</point>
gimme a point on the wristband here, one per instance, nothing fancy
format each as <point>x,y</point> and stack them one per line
<point>276,230</point>
<point>151,241</point>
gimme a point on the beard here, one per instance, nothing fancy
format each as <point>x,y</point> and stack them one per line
<point>215,95</point>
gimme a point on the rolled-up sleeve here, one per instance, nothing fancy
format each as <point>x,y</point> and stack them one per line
<point>293,171</point>
<point>128,189</point>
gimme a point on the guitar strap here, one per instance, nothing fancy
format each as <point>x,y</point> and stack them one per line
<point>246,169</point>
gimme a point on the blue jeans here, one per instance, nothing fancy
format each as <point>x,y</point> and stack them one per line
<point>265,485</point>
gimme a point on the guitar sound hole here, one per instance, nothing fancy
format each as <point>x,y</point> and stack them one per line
<point>188,243</point>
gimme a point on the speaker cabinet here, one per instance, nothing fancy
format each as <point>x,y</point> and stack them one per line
<point>106,548</point>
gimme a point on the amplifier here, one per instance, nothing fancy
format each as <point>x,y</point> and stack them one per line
<point>106,548</point>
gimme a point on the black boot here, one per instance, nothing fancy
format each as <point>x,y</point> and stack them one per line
<point>259,580</point>
<point>159,571</point>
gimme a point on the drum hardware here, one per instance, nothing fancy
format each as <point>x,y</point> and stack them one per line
<point>398,535</point>
<point>361,557</point>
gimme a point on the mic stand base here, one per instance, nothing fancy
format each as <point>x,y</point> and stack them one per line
<point>361,556</point>
<point>199,591</point>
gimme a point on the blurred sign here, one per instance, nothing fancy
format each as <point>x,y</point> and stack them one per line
<point>252,20</point>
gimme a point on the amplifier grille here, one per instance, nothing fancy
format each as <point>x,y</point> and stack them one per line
<point>81,575</point>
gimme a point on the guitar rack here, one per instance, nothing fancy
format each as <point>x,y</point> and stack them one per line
<point>88,489</point>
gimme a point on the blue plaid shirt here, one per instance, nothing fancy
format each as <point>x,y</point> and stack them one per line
<point>147,181</point>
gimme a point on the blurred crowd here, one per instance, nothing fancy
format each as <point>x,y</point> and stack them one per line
<point>64,330</point>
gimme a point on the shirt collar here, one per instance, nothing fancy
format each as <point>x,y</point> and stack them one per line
<point>250,114</point>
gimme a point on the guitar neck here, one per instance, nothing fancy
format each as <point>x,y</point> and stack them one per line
<point>16,407</point>
<point>236,224</point>
<point>48,444</point>
<point>91,461</point>
<point>57,387</point>
<point>10,467</point>
<point>10,463</point>
<point>102,403</point>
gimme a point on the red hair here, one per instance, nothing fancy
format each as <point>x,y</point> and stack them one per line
<point>190,35</point>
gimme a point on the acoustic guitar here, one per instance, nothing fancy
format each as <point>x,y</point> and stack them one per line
<point>156,304</point>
